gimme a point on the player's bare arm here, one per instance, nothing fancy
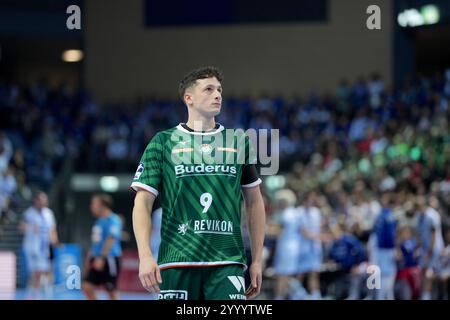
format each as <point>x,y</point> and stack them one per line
<point>99,262</point>
<point>54,239</point>
<point>86,265</point>
<point>149,272</point>
<point>256,221</point>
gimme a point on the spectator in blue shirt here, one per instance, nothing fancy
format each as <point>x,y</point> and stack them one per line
<point>349,255</point>
<point>385,230</point>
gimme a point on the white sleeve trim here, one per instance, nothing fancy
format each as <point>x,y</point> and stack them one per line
<point>251,185</point>
<point>139,185</point>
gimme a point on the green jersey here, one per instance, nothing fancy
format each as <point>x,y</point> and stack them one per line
<point>198,177</point>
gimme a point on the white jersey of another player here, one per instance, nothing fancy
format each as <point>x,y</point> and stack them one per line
<point>436,221</point>
<point>288,244</point>
<point>37,237</point>
<point>311,223</point>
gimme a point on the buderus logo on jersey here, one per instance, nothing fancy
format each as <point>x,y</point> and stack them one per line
<point>183,170</point>
<point>139,171</point>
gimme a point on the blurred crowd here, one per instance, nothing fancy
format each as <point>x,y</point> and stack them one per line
<point>398,239</point>
<point>348,146</point>
<point>366,142</point>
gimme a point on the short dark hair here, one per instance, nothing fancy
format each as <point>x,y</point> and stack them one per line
<point>105,199</point>
<point>200,73</point>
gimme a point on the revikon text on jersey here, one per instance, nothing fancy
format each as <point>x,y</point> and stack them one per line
<point>208,226</point>
<point>213,226</point>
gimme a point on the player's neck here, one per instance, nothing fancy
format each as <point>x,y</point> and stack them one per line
<point>201,124</point>
<point>105,213</point>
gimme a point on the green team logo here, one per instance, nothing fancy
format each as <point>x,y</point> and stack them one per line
<point>206,148</point>
<point>182,228</point>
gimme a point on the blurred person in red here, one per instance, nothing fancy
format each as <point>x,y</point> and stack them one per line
<point>409,273</point>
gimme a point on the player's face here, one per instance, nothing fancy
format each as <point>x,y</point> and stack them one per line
<point>336,232</point>
<point>421,204</point>
<point>311,200</point>
<point>405,233</point>
<point>206,97</point>
<point>41,201</point>
<point>385,199</point>
<point>95,206</point>
<point>434,203</point>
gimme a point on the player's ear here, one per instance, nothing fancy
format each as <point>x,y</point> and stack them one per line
<point>188,98</point>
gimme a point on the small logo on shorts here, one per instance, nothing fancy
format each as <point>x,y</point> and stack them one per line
<point>238,282</point>
<point>173,295</point>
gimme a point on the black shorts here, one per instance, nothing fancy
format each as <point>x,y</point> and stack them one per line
<point>106,277</point>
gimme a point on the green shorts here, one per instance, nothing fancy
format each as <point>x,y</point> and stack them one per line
<point>224,282</point>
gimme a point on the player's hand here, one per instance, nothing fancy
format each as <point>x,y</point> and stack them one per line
<point>256,280</point>
<point>98,264</point>
<point>149,274</point>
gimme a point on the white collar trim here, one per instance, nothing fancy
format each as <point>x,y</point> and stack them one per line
<point>219,129</point>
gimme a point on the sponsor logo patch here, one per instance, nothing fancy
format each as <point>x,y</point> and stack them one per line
<point>238,282</point>
<point>173,295</point>
<point>139,171</point>
<point>182,228</point>
<point>206,148</point>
